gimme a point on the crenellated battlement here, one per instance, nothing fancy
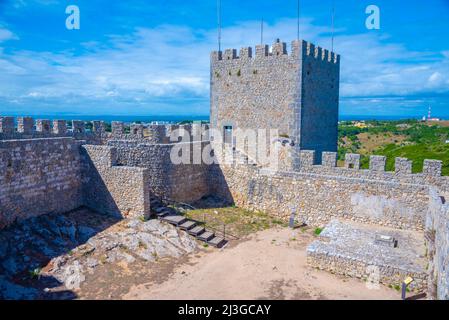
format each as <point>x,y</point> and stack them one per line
<point>299,49</point>
<point>28,126</point>
<point>377,164</point>
<point>95,131</point>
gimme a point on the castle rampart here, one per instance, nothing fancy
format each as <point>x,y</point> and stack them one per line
<point>122,171</point>
<point>397,199</point>
<point>437,243</point>
<point>28,128</point>
<point>38,176</point>
<point>180,182</point>
<point>116,190</point>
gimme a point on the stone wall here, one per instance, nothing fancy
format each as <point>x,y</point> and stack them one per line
<point>388,276</point>
<point>295,93</point>
<point>112,189</point>
<point>28,128</point>
<point>320,192</point>
<point>437,241</point>
<point>38,176</point>
<point>354,250</point>
<point>180,182</point>
<point>319,99</point>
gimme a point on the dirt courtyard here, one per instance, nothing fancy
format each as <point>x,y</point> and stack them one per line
<point>269,264</point>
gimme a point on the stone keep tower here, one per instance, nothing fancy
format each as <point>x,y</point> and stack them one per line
<point>296,93</point>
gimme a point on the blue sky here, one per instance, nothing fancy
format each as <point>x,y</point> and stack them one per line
<point>141,57</point>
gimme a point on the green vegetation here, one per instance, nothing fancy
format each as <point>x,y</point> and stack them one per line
<point>318,231</point>
<point>410,139</point>
<point>397,287</point>
<point>239,222</point>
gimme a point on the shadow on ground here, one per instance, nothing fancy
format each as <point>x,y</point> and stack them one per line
<point>28,247</point>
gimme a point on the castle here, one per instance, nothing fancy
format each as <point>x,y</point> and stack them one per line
<point>50,167</point>
<point>295,93</point>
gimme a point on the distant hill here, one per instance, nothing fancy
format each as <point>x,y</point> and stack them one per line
<point>407,138</point>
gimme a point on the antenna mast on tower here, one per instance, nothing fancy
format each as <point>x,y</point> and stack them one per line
<point>297,23</point>
<point>219,23</point>
<point>261,31</point>
<point>333,23</point>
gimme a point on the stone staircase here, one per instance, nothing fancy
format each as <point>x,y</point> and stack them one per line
<point>194,228</point>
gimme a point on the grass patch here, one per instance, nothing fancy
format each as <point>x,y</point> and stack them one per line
<point>317,231</point>
<point>238,221</point>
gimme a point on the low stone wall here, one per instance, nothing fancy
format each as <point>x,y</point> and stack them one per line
<point>437,241</point>
<point>318,198</point>
<point>180,182</point>
<point>351,249</point>
<point>349,267</point>
<point>116,190</point>
<point>38,176</point>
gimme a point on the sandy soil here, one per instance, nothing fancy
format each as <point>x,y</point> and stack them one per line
<point>371,142</point>
<point>271,264</point>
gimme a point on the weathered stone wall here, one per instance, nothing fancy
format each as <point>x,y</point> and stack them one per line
<point>321,192</point>
<point>38,176</point>
<point>28,128</point>
<point>353,250</point>
<point>295,93</point>
<point>353,268</point>
<point>437,241</point>
<point>112,189</point>
<point>319,97</point>
<point>185,182</point>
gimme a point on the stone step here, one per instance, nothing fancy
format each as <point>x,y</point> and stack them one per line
<point>163,214</point>
<point>175,220</point>
<point>189,224</point>
<point>217,242</point>
<point>196,231</point>
<point>206,236</point>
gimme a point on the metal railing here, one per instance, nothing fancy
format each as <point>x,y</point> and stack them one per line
<point>223,233</point>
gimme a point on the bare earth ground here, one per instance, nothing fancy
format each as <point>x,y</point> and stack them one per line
<point>84,255</point>
<point>270,264</point>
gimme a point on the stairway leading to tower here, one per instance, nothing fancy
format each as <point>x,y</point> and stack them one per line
<point>194,228</point>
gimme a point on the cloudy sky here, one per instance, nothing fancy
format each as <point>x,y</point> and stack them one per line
<point>141,57</point>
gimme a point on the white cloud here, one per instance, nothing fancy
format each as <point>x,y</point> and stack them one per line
<point>5,34</point>
<point>173,62</point>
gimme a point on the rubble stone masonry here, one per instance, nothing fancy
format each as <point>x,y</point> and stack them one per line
<point>38,176</point>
